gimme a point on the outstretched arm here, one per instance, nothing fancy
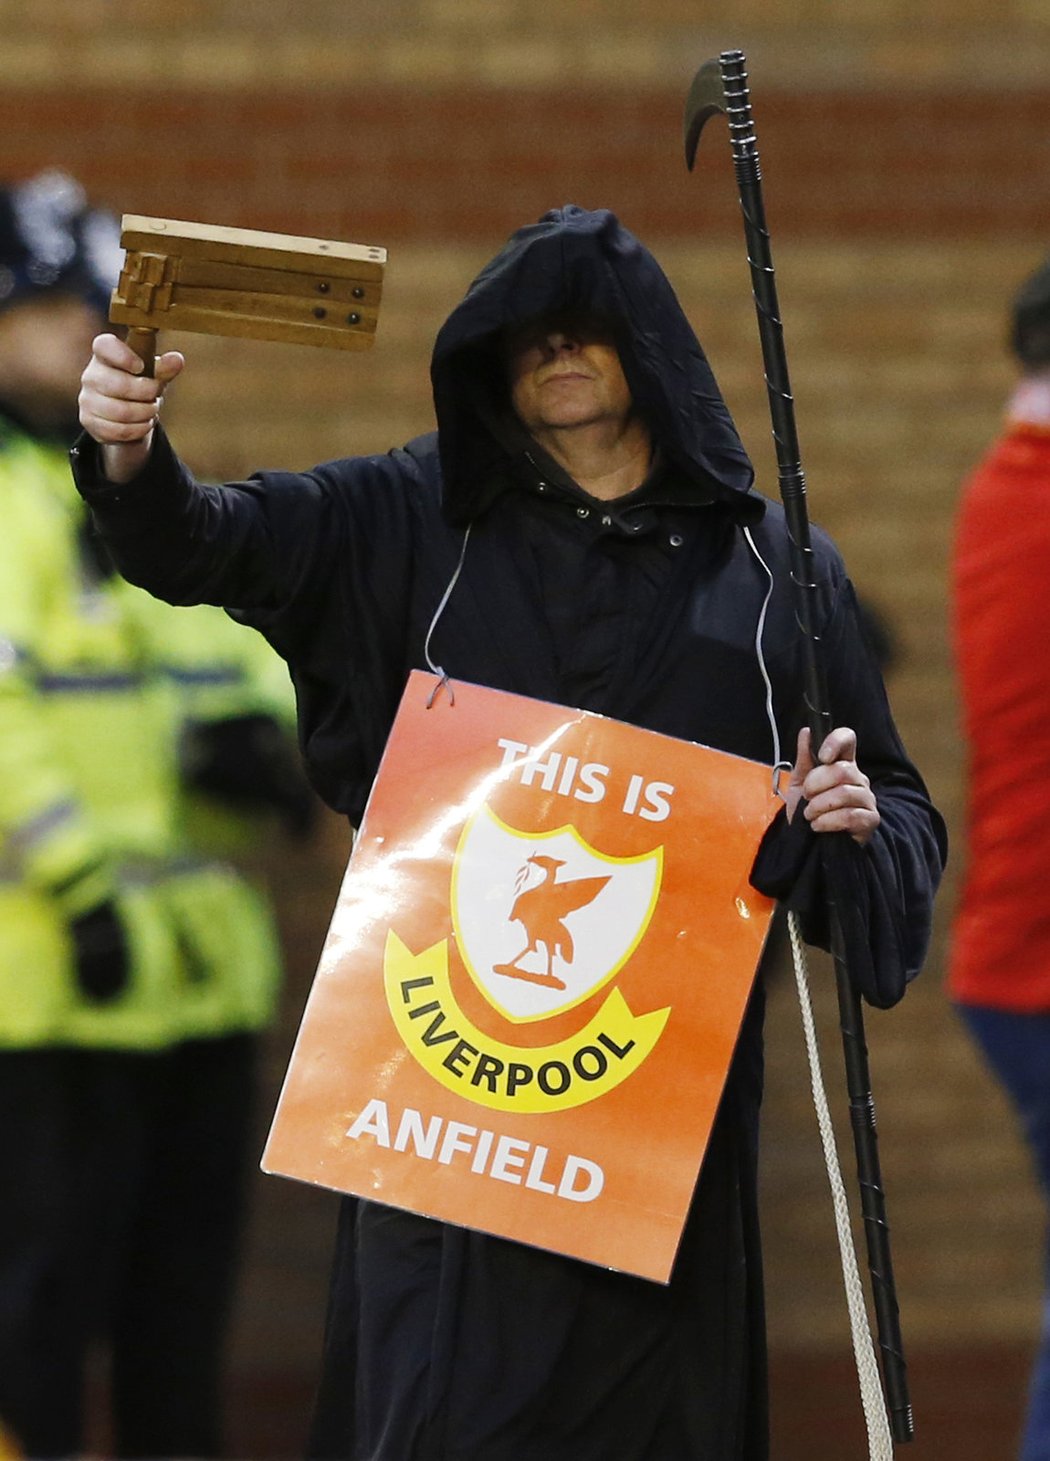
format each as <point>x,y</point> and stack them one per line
<point>244,545</point>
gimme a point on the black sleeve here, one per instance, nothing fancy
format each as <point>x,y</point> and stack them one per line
<point>883,891</point>
<point>322,563</point>
<point>240,545</point>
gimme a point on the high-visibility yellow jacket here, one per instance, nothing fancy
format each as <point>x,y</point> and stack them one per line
<point>96,680</point>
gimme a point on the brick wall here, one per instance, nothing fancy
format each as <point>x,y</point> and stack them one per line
<point>329,44</point>
<point>906,160</point>
<point>397,164</point>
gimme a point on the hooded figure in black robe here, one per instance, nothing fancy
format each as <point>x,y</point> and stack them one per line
<point>670,608</point>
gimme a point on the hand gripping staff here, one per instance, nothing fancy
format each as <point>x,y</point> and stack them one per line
<point>720,85</point>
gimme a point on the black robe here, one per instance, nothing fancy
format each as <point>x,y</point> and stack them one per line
<point>443,1344</point>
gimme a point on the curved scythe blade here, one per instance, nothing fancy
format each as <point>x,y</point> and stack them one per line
<point>706,97</point>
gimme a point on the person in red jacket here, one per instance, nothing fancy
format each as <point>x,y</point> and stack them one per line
<point>999,972</point>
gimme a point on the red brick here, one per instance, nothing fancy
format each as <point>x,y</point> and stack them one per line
<point>848,164</point>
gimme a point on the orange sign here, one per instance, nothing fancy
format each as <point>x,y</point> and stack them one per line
<point>534,979</point>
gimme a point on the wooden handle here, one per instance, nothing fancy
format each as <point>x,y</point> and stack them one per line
<point>144,344</point>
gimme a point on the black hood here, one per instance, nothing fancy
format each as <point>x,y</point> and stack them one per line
<point>580,260</point>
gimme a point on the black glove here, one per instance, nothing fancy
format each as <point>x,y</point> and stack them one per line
<point>248,762</point>
<point>100,951</point>
<point>806,870</point>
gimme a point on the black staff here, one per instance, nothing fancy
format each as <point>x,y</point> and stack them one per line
<point>721,86</point>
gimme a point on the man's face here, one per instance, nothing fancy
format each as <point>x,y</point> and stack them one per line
<point>564,371</point>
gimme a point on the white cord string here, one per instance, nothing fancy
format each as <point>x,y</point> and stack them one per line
<point>876,1419</point>
<point>778,764</point>
<point>437,669</point>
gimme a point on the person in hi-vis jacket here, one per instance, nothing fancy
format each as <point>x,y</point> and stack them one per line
<point>136,970</point>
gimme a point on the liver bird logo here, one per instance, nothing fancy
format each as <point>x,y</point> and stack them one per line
<point>541,933</point>
<point>542,910</point>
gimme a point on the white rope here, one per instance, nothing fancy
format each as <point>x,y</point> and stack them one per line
<point>880,1444</point>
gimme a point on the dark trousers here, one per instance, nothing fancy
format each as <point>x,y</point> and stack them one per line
<point>121,1201</point>
<point>1017,1047</point>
